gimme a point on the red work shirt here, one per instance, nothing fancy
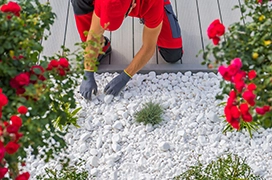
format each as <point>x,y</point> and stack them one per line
<point>151,11</point>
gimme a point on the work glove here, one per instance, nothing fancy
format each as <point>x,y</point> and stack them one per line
<point>88,85</point>
<point>117,84</point>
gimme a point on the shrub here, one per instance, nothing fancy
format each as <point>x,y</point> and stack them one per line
<point>36,94</point>
<point>229,167</point>
<point>67,172</point>
<point>247,79</point>
<point>150,114</point>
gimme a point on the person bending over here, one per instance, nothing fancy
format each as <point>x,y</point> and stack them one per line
<point>161,29</point>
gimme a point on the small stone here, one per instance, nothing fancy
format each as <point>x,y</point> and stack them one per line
<point>149,127</point>
<point>117,125</point>
<point>188,73</point>
<point>127,95</point>
<point>108,99</point>
<point>94,171</point>
<point>93,160</point>
<point>116,138</point>
<point>164,146</point>
<point>115,147</point>
<point>98,142</point>
<point>84,136</point>
<point>184,78</point>
<point>93,152</point>
<point>83,147</point>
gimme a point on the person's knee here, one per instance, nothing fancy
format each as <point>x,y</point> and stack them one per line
<point>171,55</point>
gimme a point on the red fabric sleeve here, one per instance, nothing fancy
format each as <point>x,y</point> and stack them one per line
<point>97,7</point>
<point>154,15</point>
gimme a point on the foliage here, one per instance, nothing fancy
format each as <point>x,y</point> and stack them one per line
<point>229,167</point>
<point>36,94</point>
<point>250,41</point>
<point>150,114</point>
<point>67,172</point>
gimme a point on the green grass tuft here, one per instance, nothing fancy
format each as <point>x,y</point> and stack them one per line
<point>150,114</point>
<point>230,167</point>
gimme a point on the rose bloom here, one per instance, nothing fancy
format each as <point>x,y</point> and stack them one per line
<point>16,121</point>
<point>12,147</point>
<point>22,110</point>
<point>23,176</point>
<point>3,100</point>
<point>3,172</point>
<point>61,72</point>
<point>2,153</point>
<point>251,74</point>
<point>12,7</point>
<point>64,62</point>
<point>22,79</point>
<point>54,63</point>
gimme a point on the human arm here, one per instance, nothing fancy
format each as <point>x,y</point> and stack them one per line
<point>88,85</point>
<point>150,37</point>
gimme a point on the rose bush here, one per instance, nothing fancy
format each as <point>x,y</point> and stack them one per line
<point>244,57</point>
<point>36,94</point>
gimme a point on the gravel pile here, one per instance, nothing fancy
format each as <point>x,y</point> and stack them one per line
<point>116,147</point>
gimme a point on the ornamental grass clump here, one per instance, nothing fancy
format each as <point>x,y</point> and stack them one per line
<point>151,113</point>
<point>243,55</point>
<point>225,167</point>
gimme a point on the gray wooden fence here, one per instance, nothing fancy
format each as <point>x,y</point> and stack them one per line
<point>194,17</point>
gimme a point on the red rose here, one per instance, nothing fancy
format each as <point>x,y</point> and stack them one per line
<point>237,62</point>
<point>12,147</point>
<point>49,67</point>
<point>61,72</point>
<point>235,112</point>
<point>16,121</point>
<point>239,76</point>
<point>13,128</point>
<point>251,87</point>
<point>2,153</point>
<point>22,110</point>
<point>18,136</point>
<point>215,40</point>
<point>22,79</point>
<point>247,117</point>
<point>224,73</point>
<point>54,63</point>
<point>20,91</point>
<point>3,100</point>
<point>244,108</point>
<point>239,85</point>
<point>266,108</point>
<point>235,124</point>
<point>215,29</point>
<point>249,96</point>
<point>23,176</point>
<point>3,172</point>
<point>63,62</point>
<point>12,7</point>
<point>260,111</point>
<point>251,74</point>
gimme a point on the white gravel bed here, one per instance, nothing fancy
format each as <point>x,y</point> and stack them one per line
<point>116,147</point>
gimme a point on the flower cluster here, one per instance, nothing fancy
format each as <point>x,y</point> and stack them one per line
<point>242,99</point>
<point>11,7</point>
<point>215,30</point>
<point>36,74</point>
<point>9,136</point>
<point>61,66</point>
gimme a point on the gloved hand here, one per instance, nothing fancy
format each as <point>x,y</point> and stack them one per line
<point>88,85</point>
<point>117,84</point>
